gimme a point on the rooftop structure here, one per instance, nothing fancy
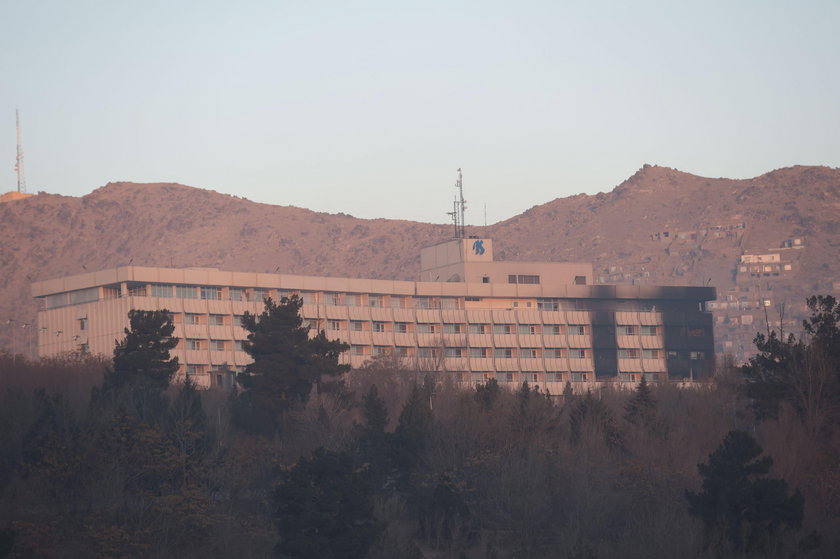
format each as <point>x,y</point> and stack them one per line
<point>469,316</point>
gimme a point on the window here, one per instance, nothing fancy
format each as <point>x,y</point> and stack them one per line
<point>378,326</point>
<point>696,355</point>
<point>580,280</point>
<point>485,279</point>
<point>577,353</point>
<point>357,325</point>
<point>452,328</point>
<point>381,350</point>
<point>217,320</point>
<point>650,354</point>
<point>578,376</point>
<point>577,329</point>
<point>214,293</point>
<point>397,302</point>
<point>333,299</point>
<point>478,352</point>
<point>554,352</point>
<point>528,329</point>
<point>333,324</point>
<point>648,331</point>
<point>504,352</point>
<point>554,376</point>
<point>401,327</point>
<point>524,278</point>
<point>428,352</point>
<point>259,295</point>
<point>504,376</point>
<point>529,353</point>
<point>402,351</point>
<point>237,319</point>
<point>374,301</point>
<point>217,345</point>
<point>84,348</point>
<point>671,355</point>
<point>627,330</point>
<point>186,292</point>
<point>193,370</point>
<point>161,290</point>
<point>235,293</point>
<point>421,303</point>
<point>357,350</point>
<point>530,376</point>
<point>454,352</point>
<point>477,329</point>
<point>193,344</point>
<point>552,329</point>
<point>548,305</point>
<point>502,328</point>
<point>696,332</point>
<point>83,323</point>
<point>628,353</point>
<point>192,318</point>
<point>425,328</point>
<point>448,303</point>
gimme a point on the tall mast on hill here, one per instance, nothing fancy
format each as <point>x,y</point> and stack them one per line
<point>21,177</point>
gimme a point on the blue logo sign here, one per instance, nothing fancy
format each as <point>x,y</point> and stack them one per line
<point>478,247</point>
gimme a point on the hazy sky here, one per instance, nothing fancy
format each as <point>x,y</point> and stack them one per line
<point>369,108</point>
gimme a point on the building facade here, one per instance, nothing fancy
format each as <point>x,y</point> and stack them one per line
<point>469,316</point>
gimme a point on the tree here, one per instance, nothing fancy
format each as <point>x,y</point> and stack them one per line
<point>641,408</point>
<point>142,368</point>
<point>324,509</point>
<point>804,375</point>
<point>287,364</point>
<point>737,504</point>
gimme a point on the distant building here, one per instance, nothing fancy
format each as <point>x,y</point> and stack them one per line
<point>469,316</point>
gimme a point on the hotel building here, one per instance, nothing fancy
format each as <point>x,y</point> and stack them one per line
<point>469,316</point>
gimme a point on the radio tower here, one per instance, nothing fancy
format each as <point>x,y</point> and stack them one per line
<point>460,206</point>
<point>21,177</point>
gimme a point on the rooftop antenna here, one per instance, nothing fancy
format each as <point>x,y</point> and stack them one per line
<point>460,206</point>
<point>454,215</point>
<point>21,177</point>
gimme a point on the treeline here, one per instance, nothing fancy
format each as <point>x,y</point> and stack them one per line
<point>303,460</point>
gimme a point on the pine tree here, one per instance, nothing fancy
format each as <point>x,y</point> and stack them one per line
<point>737,503</point>
<point>142,367</point>
<point>324,509</point>
<point>287,364</point>
<point>375,410</point>
<point>641,409</point>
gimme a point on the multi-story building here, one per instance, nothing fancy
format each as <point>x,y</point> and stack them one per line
<point>469,316</point>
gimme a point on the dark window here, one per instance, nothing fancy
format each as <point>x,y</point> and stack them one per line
<point>580,280</point>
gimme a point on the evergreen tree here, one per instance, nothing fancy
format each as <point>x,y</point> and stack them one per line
<point>487,393</point>
<point>591,412</point>
<point>287,363</point>
<point>142,368</point>
<point>737,504</point>
<point>804,375</point>
<point>375,410</point>
<point>324,509</point>
<point>187,429</point>
<point>413,430</point>
<point>641,409</point>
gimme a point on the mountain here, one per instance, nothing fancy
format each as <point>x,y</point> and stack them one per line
<point>659,226</point>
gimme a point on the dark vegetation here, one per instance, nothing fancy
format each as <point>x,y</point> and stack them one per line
<point>107,459</point>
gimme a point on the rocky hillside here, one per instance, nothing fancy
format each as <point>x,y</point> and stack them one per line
<point>659,226</point>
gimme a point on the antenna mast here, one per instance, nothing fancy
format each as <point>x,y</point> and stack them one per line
<point>460,206</point>
<point>21,177</point>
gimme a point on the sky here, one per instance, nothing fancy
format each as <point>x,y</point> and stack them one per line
<point>369,108</point>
